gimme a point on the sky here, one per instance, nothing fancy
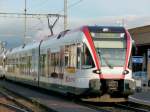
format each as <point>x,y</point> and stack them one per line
<point>129,13</point>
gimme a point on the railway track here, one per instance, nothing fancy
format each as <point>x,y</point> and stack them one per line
<point>134,106</point>
<point>117,107</point>
<point>106,107</point>
<point>9,107</point>
<point>14,103</point>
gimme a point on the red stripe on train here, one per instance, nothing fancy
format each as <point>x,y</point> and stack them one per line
<point>128,51</point>
<point>90,41</point>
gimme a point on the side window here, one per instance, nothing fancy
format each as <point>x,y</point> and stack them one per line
<point>55,64</point>
<point>23,63</point>
<point>78,56</point>
<point>66,60</point>
<point>53,60</point>
<point>87,60</point>
<point>33,63</point>
<point>67,55</point>
<point>28,65</point>
<point>70,55</point>
<point>42,64</point>
<point>49,61</point>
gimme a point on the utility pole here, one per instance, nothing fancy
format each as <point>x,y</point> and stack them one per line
<point>65,14</point>
<point>25,21</point>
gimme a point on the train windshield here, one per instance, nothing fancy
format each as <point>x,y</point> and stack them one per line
<point>111,48</point>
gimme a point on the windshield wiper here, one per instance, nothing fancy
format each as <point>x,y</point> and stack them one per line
<point>108,64</point>
<point>106,61</point>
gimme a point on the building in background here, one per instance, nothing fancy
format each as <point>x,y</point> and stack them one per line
<point>141,36</point>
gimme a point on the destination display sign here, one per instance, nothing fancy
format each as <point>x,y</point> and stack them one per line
<point>107,35</point>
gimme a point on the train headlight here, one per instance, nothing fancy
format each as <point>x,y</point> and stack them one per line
<point>97,71</point>
<point>125,72</point>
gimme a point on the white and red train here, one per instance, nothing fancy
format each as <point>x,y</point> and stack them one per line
<point>90,61</point>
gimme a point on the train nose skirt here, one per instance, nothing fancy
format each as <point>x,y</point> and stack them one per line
<point>112,85</point>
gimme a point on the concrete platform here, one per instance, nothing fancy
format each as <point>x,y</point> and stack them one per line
<point>141,97</point>
<point>54,103</point>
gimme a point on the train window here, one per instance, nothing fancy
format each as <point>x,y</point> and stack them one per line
<point>55,67</point>
<point>49,62</point>
<point>34,62</point>
<point>66,56</point>
<point>28,65</point>
<point>57,59</point>
<point>62,57</point>
<point>66,61</point>
<point>55,64</point>
<point>70,55</point>
<point>23,65</point>
<point>78,56</point>
<point>87,60</point>
<point>42,64</point>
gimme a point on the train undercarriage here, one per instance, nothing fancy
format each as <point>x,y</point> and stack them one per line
<point>109,90</point>
<point>98,91</point>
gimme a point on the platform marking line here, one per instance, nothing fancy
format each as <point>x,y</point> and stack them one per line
<point>140,101</point>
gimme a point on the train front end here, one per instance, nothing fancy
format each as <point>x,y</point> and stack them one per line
<point>113,47</point>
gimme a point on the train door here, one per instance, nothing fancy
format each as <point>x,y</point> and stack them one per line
<point>54,66</point>
<point>57,59</point>
<point>72,63</point>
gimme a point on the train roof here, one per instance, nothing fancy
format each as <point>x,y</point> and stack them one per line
<point>31,45</point>
<point>13,50</point>
<point>72,36</point>
<point>23,48</point>
<point>66,37</point>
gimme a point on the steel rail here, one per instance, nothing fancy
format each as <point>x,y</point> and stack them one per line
<point>108,107</point>
<point>13,107</point>
<point>142,109</point>
<point>25,108</point>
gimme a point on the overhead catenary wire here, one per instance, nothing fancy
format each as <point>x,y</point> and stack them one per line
<point>75,3</point>
<point>29,15</point>
<point>26,15</point>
